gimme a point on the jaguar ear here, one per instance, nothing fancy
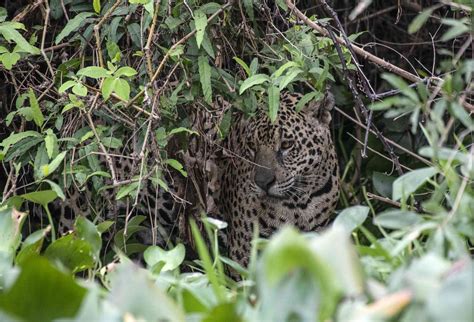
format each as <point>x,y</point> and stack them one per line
<point>321,108</point>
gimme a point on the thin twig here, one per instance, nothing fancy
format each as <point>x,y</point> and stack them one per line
<point>43,38</point>
<point>97,28</point>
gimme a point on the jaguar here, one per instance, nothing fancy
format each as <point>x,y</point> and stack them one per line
<point>279,173</point>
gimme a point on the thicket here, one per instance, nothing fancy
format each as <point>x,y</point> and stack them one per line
<point>82,81</point>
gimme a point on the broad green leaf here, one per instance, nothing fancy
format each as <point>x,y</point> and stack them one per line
<point>205,78</point>
<point>405,185</point>
<point>383,183</point>
<point>75,253</point>
<point>458,27</point>
<point>93,72</point>
<point>133,293</point>
<point>57,189</point>
<point>87,231</point>
<point>125,71</point>
<point>252,81</point>
<point>181,129</point>
<point>9,32</point>
<point>398,219</point>
<point>420,20</point>
<point>9,59</point>
<point>79,89</point>
<point>66,85</point>
<point>200,21</point>
<point>108,87</point>
<point>31,246</point>
<point>273,102</point>
<point>352,217</point>
<point>42,293</point>
<point>171,259</point>
<point>15,138</point>
<point>43,197</point>
<point>72,25</point>
<point>122,88</point>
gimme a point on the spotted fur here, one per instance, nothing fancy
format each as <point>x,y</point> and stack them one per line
<point>279,173</point>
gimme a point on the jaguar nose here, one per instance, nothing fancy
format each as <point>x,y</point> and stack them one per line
<point>264,178</point>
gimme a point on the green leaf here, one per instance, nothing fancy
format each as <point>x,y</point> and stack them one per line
<point>273,102</point>
<point>307,98</point>
<point>72,25</point>
<point>252,81</point>
<point>420,20</point>
<point>125,71</point>
<point>75,253</point>
<point>383,183</point>
<point>405,185</point>
<point>283,68</point>
<point>352,217</point>
<point>458,27</point>
<point>9,59</point>
<point>200,21</point>
<point>205,78</point>
<point>31,246</point>
<point>180,130</point>
<point>398,219</point>
<point>243,65</point>
<point>11,222</point>
<point>51,143</point>
<point>38,117</point>
<point>289,77</point>
<point>66,85</point>
<point>93,72</point>
<point>15,138</point>
<point>87,231</point>
<point>401,85</point>
<point>122,89</point>
<point>108,87</point>
<point>176,165</point>
<point>171,259</point>
<point>53,165</point>
<point>43,197</point>
<point>57,189</point>
<point>9,32</point>
<point>126,190</point>
<point>42,293</point>
<point>79,89</point>
<point>96,6</point>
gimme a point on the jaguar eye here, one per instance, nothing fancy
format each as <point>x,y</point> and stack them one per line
<point>286,145</point>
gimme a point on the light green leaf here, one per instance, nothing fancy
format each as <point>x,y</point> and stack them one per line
<point>125,71</point>
<point>108,87</point>
<point>9,59</point>
<point>72,25</point>
<point>127,190</point>
<point>307,98</point>
<point>200,21</point>
<point>79,89</point>
<point>205,78</point>
<point>289,77</point>
<point>53,165</point>
<point>284,67</point>
<point>15,138</point>
<point>252,81</point>
<point>93,72</point>
<point>273,102</point>
<point>167,260</point>
<point>51,143</point>
<point>96,6</point>
<point>398,219</point>
<point>400,84</point>
<point>351,218</point>
<point>38,117</point>
<point>176,165</point>
<point>9,32</point>
<point>411,181</point>
<point>122,89</point>
<point>67,85</point>
<point>43,197</point>
<point>181,129</point>
<point>243,65</point>
<point>420,20</point>
<point>57,189</point>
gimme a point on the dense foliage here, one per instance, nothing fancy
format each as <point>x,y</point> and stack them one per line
<point>83,80</point>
